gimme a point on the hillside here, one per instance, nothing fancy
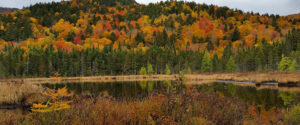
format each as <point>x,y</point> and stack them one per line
<point>4,9</point>
<point>121,36</point>
<point>294,17</point>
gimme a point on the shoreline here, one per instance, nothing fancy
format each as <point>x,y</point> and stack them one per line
<point>258,78</point>
<point>26,91</point>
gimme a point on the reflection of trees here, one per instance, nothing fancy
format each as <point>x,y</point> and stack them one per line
<point>143,85</point>
<point>231,88</point>
<point>150,86</point>
<point>288,97</point>
<point>146,86</point>
<point>168,84</point>
<point>264,98</point>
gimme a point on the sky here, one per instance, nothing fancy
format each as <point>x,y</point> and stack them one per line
<point>281,7</point>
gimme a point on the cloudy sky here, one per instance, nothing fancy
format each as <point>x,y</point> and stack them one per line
<point>281,7</point>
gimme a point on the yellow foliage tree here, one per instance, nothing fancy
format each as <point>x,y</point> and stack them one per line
<point>56,102</point>
<point>115,45</point>
<point>74,3</point>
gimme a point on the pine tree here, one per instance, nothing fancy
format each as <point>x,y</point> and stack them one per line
<point>226,55</point>
<point>293,66</point>
<point>206,63</point>
<point>71,36</point>
<point>230,66</point>
<point>189,70</point>
<point>143,71</point>
<point>167,71</point>
<point>150,69</point>
<point>215,64</point>
<point>274,24</point>
<point>287,65</point>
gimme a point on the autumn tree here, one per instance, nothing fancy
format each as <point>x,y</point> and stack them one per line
<point>56,103</point>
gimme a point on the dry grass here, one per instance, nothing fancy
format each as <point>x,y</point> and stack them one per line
<point>16,93</point>
<point>255,77</point>
<point>11,117</point>
<point>120,78</point>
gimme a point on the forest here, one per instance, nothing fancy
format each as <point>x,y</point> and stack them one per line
<point>7,10</point>
<point>116,37</point>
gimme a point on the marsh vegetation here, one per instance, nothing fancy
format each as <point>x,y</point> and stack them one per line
<point>165,102</point>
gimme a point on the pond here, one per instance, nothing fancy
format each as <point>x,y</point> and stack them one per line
<point>262,96</point>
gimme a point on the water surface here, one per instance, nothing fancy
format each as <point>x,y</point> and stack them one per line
<point>264,98</point>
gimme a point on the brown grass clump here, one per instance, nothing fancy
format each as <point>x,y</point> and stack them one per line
<point>19,93</point>
<point>11,117</point>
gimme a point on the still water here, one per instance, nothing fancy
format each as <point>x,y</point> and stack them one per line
<point>261,97</point>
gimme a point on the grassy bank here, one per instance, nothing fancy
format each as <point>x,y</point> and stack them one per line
<point>190,78</point>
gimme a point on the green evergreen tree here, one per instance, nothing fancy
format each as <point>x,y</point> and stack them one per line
<point>189,70</point>
<point>230,66</point>
<point>216,66</point>
<point>284,64</point>
<point>143,71</point>
<point>274,24</point>
<point>206,65</point>
<point>287,65</point>
<point>167,71</point>
<point>150,69</point>
<point>293,66</point>
<point>225,57</point>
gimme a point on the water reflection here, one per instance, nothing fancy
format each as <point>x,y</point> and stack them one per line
<point>119,90</point>
<point>263,97</point>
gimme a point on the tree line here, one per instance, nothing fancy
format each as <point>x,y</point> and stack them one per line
<point>266,57</point>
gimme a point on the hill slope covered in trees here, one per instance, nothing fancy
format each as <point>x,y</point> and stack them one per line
<point>5,9</point>
<point>93,37</point>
